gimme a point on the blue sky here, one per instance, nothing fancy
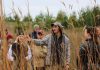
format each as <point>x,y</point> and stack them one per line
<point>37,6</point>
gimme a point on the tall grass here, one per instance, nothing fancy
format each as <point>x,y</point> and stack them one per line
<point>75,35</point>
<point>4,42</point>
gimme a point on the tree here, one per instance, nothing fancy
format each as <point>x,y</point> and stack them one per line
<point>96,11</point>
<point>61,17</point>
<point>27,18</point>
<point>16,18</point>
<point>44,20</point>
<point>87,17</point>
<point>39,19</point>
<point>9,19</point>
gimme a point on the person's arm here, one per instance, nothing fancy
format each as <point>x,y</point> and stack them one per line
<point>29,54</point>
<point>67,45</point>
<point>43,41</point>
<point>67,50</point>
<point>9,54</point>
<point>83,53</point>
<point>68,55</point>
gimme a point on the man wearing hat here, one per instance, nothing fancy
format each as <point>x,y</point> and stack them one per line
<point>58,45</point>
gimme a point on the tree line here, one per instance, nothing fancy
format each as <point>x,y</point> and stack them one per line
<point>80,19</point>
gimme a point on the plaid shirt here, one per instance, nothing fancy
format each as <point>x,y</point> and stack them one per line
<point>47,40</point>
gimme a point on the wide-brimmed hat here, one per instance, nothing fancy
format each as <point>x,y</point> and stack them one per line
<point>57,24</point>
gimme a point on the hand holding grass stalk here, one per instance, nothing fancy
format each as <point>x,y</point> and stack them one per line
<point>23,39</point>
<point>67,66</point>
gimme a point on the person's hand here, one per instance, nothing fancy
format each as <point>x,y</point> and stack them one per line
<point>24,39</point>
<point>27,38</point>
<point>67,67</point>
<point>21,39</point>
<point>17,38</point>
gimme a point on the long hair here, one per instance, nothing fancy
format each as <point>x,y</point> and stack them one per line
<point>60,29</point>
<point>97,20</point>
<point>92,32</point>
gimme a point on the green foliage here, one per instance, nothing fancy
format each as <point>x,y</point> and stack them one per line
<point>62,17</point>
<point>84,17</point>
<point>49,20</point>
<point>39,19</point>
<point>9,19</point>
<point>27,18</point>
<point>44,20</point>
<point>73,20</point>
<point>16,18</point>
<point>88,17</point>
<point>96,11</point>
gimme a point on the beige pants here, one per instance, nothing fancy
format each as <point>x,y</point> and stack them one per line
<point>26,66</point>
<point>15,65</point>
<point>54,67</point>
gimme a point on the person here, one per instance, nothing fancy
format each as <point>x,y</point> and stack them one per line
<point>39,53</point>
<point>98,27</point>
<point>58,46</point>
<point>90,50</point>
<point>40,34</point>
<point>0,40</point>
<point>9,37</point>
<point>98,31</point>
<point>35,31</point>
<point>19,52</point>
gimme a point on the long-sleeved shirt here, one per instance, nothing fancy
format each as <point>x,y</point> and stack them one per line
<point>47,41</point>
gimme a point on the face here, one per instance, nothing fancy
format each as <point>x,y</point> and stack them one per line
<point>37,28</point>
<point>55,29</point>
<point>98,30</point>
<point>86,35</point>
<point>10,41</point>
<point>40,34</point>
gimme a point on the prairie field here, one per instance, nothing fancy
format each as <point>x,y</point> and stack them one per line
<point>73,22</point>
<point>75,35</point>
